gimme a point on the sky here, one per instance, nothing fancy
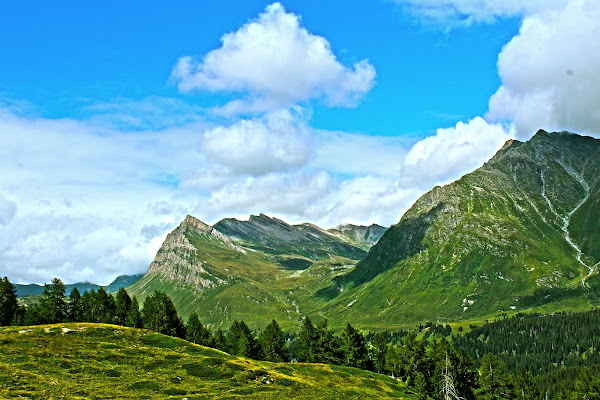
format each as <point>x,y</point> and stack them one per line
<point>117,119</point>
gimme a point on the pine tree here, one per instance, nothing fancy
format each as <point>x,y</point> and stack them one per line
<point>159,314</point>
<point>8,301</point>
<point>122,306</point>
<point>196,332</point>
<point>220,340</point>
<point>327,348</point>
<point>75,306</point>
<point>104,307</point>
<point>355,348</point>
<point>134,317</point>
<point>306,342</point>
<point>53,303</point>
<point>87,300</point>
<point>273,343</point>
<point>420,386</point>
<point>494,380</point>
<point>379,352</point>
<point>525,388</point>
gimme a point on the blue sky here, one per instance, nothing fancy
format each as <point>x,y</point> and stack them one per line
<point>64,56</point>
<point>119,118</point>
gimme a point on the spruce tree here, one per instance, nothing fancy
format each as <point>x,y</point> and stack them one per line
<point>327,348</point>
<point>494,380</point>
<point>122,306</point>
<point>75,306</point>
<point>8,301</point>
<point>273,344</point>
<point>134,317</point>
<point>355,349</point>
<point>159,314</point>
<point>379,352</point>
<point>307,339</point>
<point>53,303</point>
<point>196,332</point>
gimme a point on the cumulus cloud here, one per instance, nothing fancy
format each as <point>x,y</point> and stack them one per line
<point>283,194</point>
<point>277,141</point>
<point>549,72</point>
<point>453,13</point>
<point>452,152</point>
<point>276,62</point>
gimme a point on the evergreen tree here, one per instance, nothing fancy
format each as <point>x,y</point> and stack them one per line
<point>327,348</point>
<point>122,306</point>
<point>355,349</point>
<point>134,317</point>
<point>87,306</point>
<point>494,380</point>
<point>75,306</point>
<point>220,340</point>
<point>392,361</point>
<point>306,342</point>
<point>420,386</point>
<point>8,301</point>
<point>525,388</point>
<point>379,352</point>
<point>19,318</point>
<point>196,332</point>
<point>241,341</point>
<point>587,386</point>
<point>273,343</point>
<point>53,303</point>
<point>104,307</point>
<point>159,314</point>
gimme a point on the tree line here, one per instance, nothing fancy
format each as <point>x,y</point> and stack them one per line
<point>433,366</point>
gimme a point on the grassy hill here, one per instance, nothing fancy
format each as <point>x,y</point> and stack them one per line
<point>84,361</point>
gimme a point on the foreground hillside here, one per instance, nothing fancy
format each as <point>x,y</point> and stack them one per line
<point>82,361</point>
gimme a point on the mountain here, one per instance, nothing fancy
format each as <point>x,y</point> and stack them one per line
<point>119,282</point>
<point>253,270</point>
<point>520,232</point>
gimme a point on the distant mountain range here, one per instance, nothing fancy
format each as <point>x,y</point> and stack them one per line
<point>520,233</point>
<point>119,282</point>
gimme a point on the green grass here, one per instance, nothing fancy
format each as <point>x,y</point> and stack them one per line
<point>96,361</point>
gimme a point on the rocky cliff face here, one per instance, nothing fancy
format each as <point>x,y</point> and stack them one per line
<point>178,261</point>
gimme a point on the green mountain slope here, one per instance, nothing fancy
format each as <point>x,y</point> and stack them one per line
<point>83,361</point>
<point>252,270</point>
<point>520,232</point>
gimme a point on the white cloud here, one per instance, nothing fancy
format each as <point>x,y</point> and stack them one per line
<point>284,194</point>
<point>276,62</point>
<point>454,13</point>
<point>549,72</point>
<point>275,142</point>
<point>451,153</point>
<point>7,210</point>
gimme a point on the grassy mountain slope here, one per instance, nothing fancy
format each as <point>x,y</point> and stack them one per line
<point>251,270</point>
<point>83,361</point>
<point>518,233</point>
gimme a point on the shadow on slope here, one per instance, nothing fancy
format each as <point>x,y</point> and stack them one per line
<point>398,243</point>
